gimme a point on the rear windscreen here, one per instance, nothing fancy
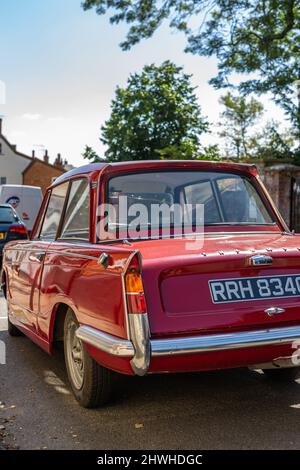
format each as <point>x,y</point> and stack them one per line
<point>7,216</point>
<point>227,199</point>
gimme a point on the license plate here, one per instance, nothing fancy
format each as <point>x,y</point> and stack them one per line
<point>254,288</point>
<point>1,236</point>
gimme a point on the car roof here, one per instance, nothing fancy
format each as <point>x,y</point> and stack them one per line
<point>19,186</point>
<point>155,164</point>
<point>7,206</point>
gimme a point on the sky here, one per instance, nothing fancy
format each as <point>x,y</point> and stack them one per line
<point>61,65</point>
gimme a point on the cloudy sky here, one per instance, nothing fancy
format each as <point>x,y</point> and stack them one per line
<point>61,65</point>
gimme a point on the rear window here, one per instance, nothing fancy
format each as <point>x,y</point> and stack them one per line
<point>227,199</point>
<point>7,215</point>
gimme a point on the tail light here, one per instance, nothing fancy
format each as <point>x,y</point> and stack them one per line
<point>134,288</point>
<point>18,229</point>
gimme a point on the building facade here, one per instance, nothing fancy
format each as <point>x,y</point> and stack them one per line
<point>41,173</point>
<point>18,168</point>
<point>12,162</point>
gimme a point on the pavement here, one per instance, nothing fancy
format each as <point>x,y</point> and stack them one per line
<point>233,409</point>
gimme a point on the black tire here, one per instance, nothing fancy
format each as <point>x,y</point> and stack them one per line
<point>12,329</point>
<point>289,374</point>
<point>90,382</point>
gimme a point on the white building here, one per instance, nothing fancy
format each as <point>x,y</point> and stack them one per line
<point>12,162</point>
<point>18,168</point>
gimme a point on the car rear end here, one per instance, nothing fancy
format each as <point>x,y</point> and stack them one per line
<point>233,301</point>
<point>218,309</point>
<point>11,227</point>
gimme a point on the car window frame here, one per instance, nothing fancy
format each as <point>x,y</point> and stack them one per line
<point>59,230</point>
<point>37,236</point>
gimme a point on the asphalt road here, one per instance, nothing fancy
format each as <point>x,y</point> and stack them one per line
<point>236,409</point>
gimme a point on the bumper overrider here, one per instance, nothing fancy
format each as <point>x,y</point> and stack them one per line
<point>140,348</point>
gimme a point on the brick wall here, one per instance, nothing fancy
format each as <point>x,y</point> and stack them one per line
<point>40,173</point>
<point>278,181</point>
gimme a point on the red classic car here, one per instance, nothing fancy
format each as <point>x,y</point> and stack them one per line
<point>221,296</point>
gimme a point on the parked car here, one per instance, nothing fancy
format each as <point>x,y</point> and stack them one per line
<point>11,227</point>
<point>144,305</point>
<point>26,200</point>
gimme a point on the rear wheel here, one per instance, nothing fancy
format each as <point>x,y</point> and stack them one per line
<point>282,375</point>
<point>90,382</point>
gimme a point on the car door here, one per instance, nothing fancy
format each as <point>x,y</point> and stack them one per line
<point>67,254</point>
<point>29,262</point>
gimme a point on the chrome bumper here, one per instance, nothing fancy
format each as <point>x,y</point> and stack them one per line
<point>141,348</point>
<point>105,342</point>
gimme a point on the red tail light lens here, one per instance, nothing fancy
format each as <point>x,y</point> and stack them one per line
<point>18,229</point>
<point>134,289</point>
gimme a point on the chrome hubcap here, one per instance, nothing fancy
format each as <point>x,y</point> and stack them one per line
<point>75,356</point>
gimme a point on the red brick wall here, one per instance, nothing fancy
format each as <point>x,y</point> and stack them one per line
<point>41,174</point>
<point>278,182</point>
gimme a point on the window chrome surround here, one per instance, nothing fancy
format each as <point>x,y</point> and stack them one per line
<point>141,348</point>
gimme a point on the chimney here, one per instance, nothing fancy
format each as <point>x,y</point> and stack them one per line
<point>46,157</point>
<point>33,154</point>
<point>14,147</point>
<point>1,126</point>
<point>58,160</point>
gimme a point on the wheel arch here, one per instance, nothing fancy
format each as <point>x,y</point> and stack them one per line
<point>56,333</point>
<point>4,282</point>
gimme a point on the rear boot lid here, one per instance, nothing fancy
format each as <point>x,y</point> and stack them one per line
<point>219,287</point>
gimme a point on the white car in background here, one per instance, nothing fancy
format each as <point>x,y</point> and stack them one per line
<point>26,200</point>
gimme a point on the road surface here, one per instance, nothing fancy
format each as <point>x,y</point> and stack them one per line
<point>235,409</point>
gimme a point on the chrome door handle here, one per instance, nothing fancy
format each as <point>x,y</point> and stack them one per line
<point>39,256</point>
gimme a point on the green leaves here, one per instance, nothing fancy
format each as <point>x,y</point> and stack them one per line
<point>246,36</point>
<point>156,115</point>
<point>237,120</point>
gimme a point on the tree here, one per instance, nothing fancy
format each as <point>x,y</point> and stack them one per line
<point>246,36</point>
<point>210,152</point>
<point>90,154</point>
<point>238,118</point>
<point>271,143</point>
<point>158,110</point>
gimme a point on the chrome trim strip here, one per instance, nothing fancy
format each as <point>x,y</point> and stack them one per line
<point>58,252</point>
<point>224,342</point>
<point>184,236</point>
<point>105,342</point>
<point>140,337</point>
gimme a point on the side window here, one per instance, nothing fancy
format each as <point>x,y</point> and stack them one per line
<point>77,216</point>
<point>241,202</point>
<point>202,193</point>
<point>53,212</point>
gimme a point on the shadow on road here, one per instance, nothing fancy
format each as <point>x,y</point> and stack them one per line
<point>226,409</point>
